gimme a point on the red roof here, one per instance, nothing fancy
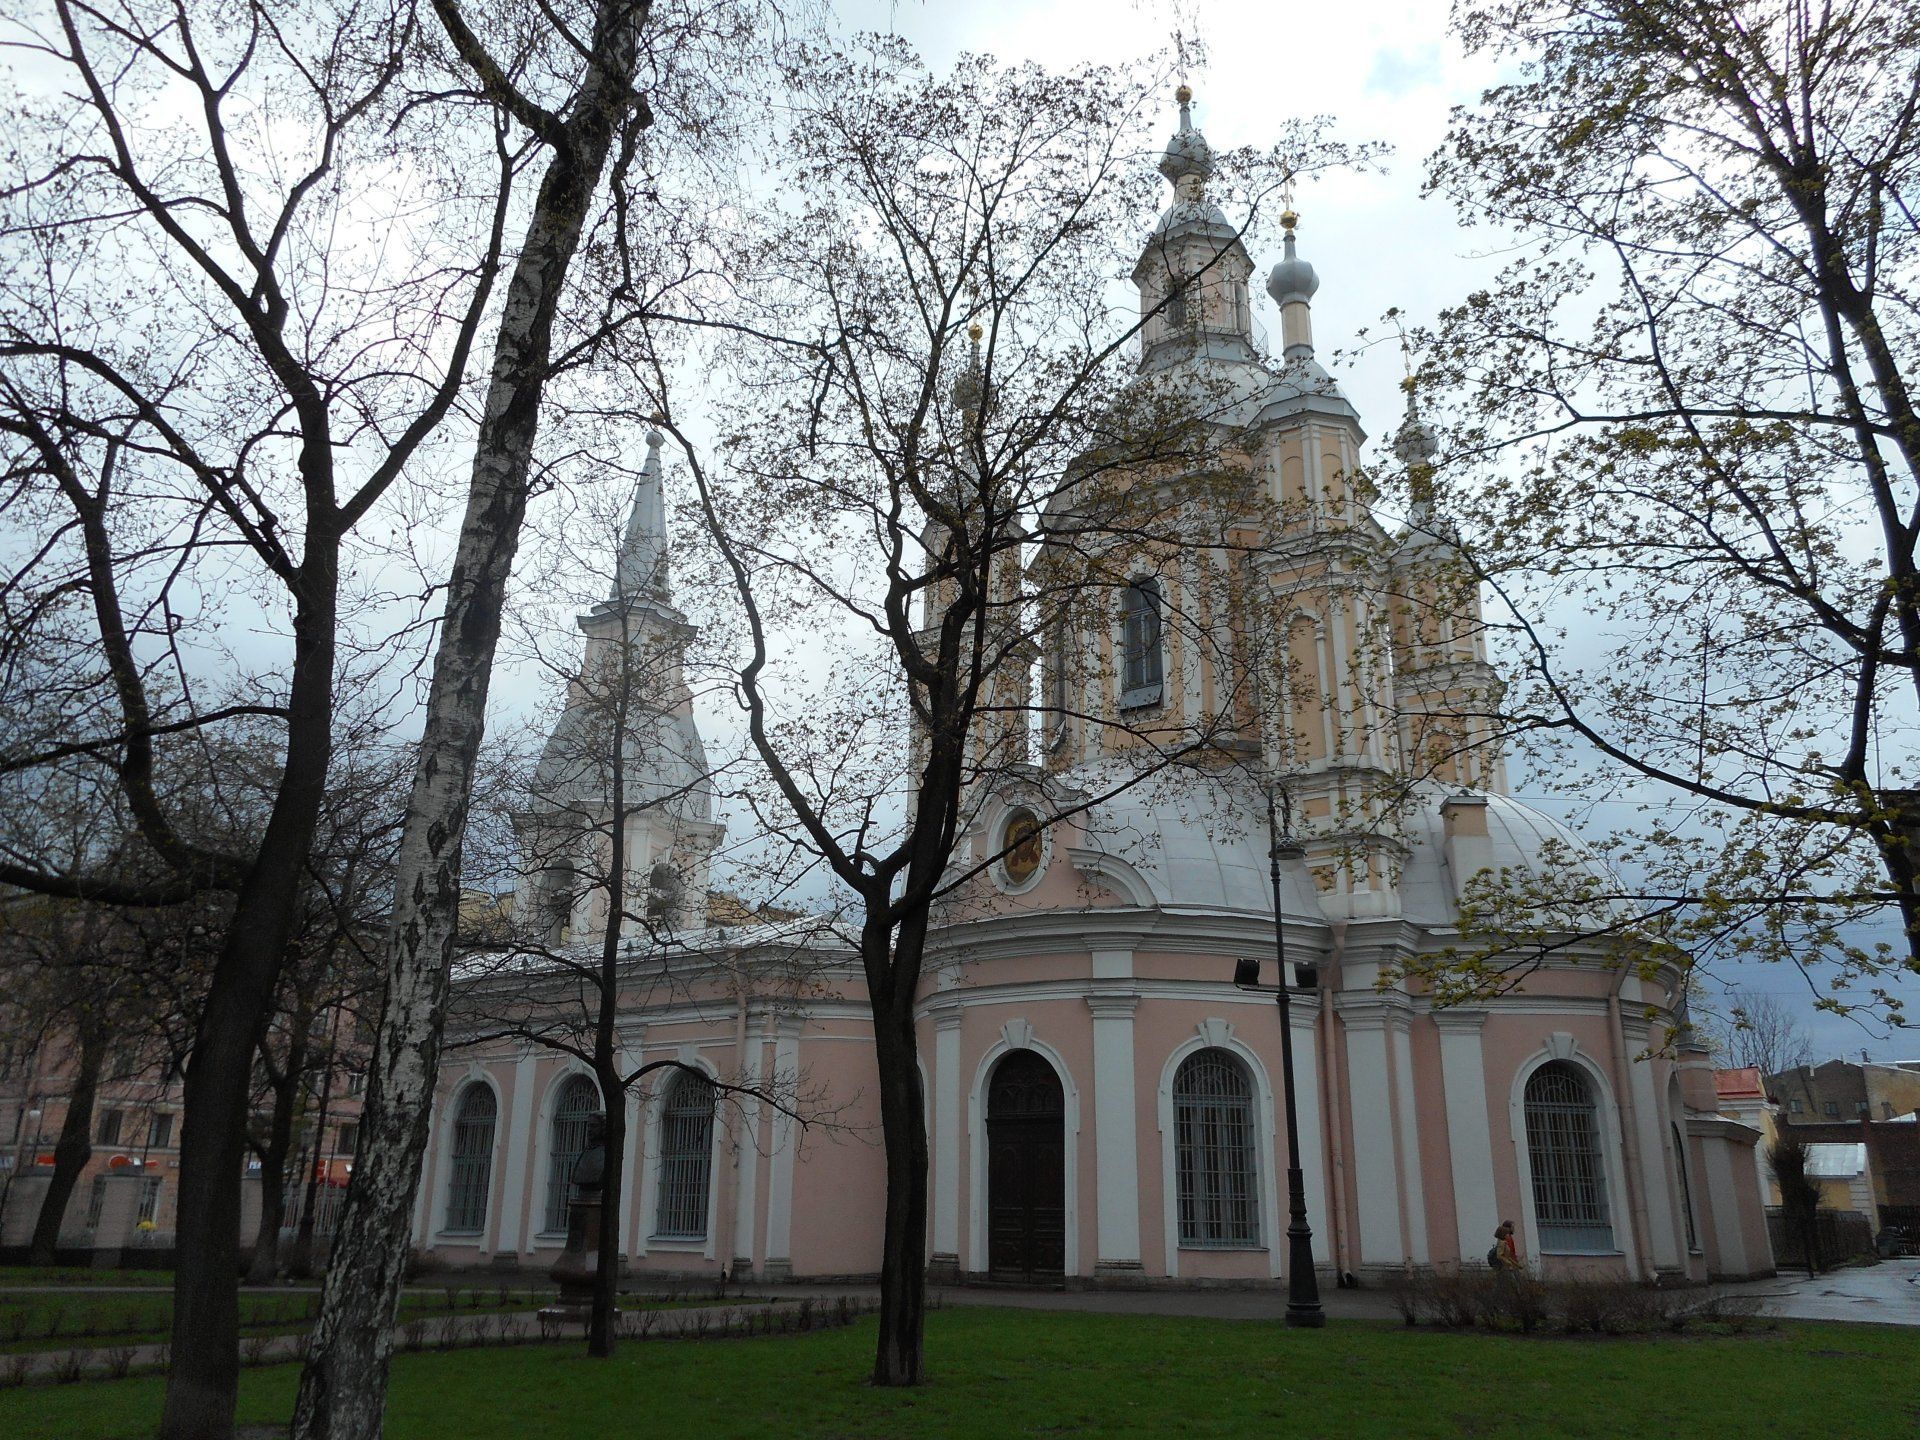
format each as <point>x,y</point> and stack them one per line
<point>1739,1084</point>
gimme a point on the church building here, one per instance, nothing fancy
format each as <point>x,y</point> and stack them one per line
<point>1103,1104</point>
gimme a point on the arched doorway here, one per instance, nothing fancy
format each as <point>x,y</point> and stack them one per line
<point>1026,1170</point>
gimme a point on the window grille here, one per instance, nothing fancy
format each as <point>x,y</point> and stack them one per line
<point>686,1159</point>
<point>1569,1177</point>
<point>96,1201</point>
<point>1217,1184</point>
<point>149,1200</point>
<point>579,1102</point>
<point>1686,1187</point>
<point>472,1167</point>
<point>1140,682</point>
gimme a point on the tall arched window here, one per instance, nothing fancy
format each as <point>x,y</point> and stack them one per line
<point>1140,680</point>
<point>472,1164</point>
<point>1217,1179</point>
<point>1569,1175</point>
<point>1686,1187</point>
<point>686,1158</point>
<point>579,1101</point>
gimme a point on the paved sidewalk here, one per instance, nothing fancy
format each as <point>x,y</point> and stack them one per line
<point>1883,1294</point>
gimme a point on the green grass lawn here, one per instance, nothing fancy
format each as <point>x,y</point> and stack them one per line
<point>1021,1372</point>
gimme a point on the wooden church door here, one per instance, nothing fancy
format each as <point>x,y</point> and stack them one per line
<point>1026,1170</point>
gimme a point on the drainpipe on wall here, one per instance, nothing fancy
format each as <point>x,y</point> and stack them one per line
<point>1630,1133</point>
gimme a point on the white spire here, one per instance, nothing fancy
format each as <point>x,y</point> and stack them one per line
<point>642,569</point>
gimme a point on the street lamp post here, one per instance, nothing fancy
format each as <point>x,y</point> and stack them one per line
<point>1303,1286</point>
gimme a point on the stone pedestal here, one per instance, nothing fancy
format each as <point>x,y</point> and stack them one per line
<point>573,1272</point>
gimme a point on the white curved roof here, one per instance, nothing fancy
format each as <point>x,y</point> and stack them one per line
<point>1517,836</point>
<point>1199,840</point>
<point>666,764</point>
<point>1196,839</point>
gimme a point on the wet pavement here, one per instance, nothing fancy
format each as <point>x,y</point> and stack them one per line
<point>1884,1294</point>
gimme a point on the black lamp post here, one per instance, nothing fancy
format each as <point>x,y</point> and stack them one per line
<point>1303,1286</point>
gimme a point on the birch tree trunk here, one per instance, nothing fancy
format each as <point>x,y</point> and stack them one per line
<point>343,1387</point>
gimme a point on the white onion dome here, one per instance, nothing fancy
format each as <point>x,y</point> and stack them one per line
<point>1188,153</point>
<point>1293,278</point>
<point>1415,443</point>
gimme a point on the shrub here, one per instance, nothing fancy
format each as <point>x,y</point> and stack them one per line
<point>69,1367</point>
<point>1513,1302</point>
<point>14,1371</point>
<point>119,1360</point>
<point>253,1349</point>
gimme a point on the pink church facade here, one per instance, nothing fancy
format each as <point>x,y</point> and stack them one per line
<point>1103,1106</point>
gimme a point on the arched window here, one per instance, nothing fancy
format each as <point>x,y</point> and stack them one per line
<point>1179,299</point>
<point>686,1158</point>
<point>1218,1183</point>
<point>1686,1187</point>
<point>1563,1146</point>
<point>579,1102</point>
<point>472,1159</point>
<point>663,891</point>
<point>1140,680</point>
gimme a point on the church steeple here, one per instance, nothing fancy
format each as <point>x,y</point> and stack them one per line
<point>641,572</point>
<point>1193,273</point>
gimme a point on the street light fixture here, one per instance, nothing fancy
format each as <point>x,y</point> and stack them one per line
<point>1303,1286</point>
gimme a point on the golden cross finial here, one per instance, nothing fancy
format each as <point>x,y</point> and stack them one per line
<point>1407,383</point>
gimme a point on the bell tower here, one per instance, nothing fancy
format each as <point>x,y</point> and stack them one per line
<point>1194,271</point>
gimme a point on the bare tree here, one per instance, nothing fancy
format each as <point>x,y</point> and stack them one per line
<point>578,88</point>
<point>1682,445</point>
<point>1765,1032</point>
<point>205,387</point>
<point>941,458</point>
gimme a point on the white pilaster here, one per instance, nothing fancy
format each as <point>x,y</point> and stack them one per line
<point>1115,1146</point>
<point>513,1193</point>
<point>786,1077</point>
<point>1306,1106</point>
<point>1649,1139</point>
<point>946,1135</point>
<point>1413,1193</point>
<point>1370,1095</point>
<point>1463,1075</point>
<point>430,1167</point>
<point>746,1151</point>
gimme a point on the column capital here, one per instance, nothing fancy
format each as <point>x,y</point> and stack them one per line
<point>945,1015</point>
<point>1460,1019</point>
<point>1373,1011</point>
<point>1113,1004</point>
